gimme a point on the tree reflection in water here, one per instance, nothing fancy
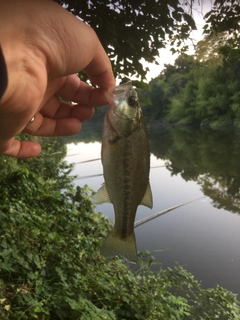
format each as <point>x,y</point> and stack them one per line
<point>211,158</point>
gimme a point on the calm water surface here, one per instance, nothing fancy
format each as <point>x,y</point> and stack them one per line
<point>186,164</point>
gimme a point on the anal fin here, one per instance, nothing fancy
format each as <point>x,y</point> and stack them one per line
<point>147,198</point>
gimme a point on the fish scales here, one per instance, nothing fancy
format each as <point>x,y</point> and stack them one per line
<point>126,192</point>
<point>124,177</point>
<point>126,163</point>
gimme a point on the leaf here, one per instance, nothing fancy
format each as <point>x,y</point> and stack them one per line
<point>140,29</point>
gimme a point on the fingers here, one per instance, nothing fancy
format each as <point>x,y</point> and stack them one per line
<point>73,89</point>
<point>54,107</point>
<point>66,110</point>
<point>65,43</point>
<point>74,46</point>
<point>67,121</point>
<point>48,127</point>
<point>21,149</point>
<point>104,79</point>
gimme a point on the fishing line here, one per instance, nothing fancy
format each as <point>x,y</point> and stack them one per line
<point>155,215</point>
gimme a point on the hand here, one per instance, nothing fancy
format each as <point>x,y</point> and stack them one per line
<point>44,47</point>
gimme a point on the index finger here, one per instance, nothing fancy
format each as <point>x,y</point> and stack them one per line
<point>98,72</point>
<point>73,89</point>
<point>74,46</point>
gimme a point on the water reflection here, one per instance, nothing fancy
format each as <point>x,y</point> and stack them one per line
<point>210,158</point>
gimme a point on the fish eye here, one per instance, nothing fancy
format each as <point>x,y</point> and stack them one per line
<point>132,100</point>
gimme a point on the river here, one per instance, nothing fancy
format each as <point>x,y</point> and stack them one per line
<point>187,164</point>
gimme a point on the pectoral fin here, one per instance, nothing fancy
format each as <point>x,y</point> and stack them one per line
<point>147,198</point>
<point>101,196</point>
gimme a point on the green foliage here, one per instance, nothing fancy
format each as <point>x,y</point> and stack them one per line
<point>158,99</point>
<point>131,30</point>
<point>53,150</point>
<point>44,252</point>
<point>50,267</point>
<point>216,303</point>
<point>202,92</point>
<point>224,16</point>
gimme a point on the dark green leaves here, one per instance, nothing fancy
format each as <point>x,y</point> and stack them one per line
<point>131,30</point>
<point>224,19</point>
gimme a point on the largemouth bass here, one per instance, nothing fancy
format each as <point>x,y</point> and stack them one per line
<point>126,164</point>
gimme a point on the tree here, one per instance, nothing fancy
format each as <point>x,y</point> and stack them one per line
<point>159,99</point>
<point>224,19</point>
<point>130,30</point>
<point>207,49</point>
<point>224,16</point>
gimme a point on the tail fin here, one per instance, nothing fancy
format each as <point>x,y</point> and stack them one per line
<point>114,245</point>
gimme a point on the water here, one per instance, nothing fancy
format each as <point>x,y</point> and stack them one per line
<point>186,164</point>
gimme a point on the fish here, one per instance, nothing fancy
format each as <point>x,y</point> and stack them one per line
<point>125,158</point>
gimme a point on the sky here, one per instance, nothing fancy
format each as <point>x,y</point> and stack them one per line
<point>165,55</point>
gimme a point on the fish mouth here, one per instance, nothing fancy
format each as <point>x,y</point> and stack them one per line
<point>116,93</point>
<point>123,100</point>
<point>122,87</point>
